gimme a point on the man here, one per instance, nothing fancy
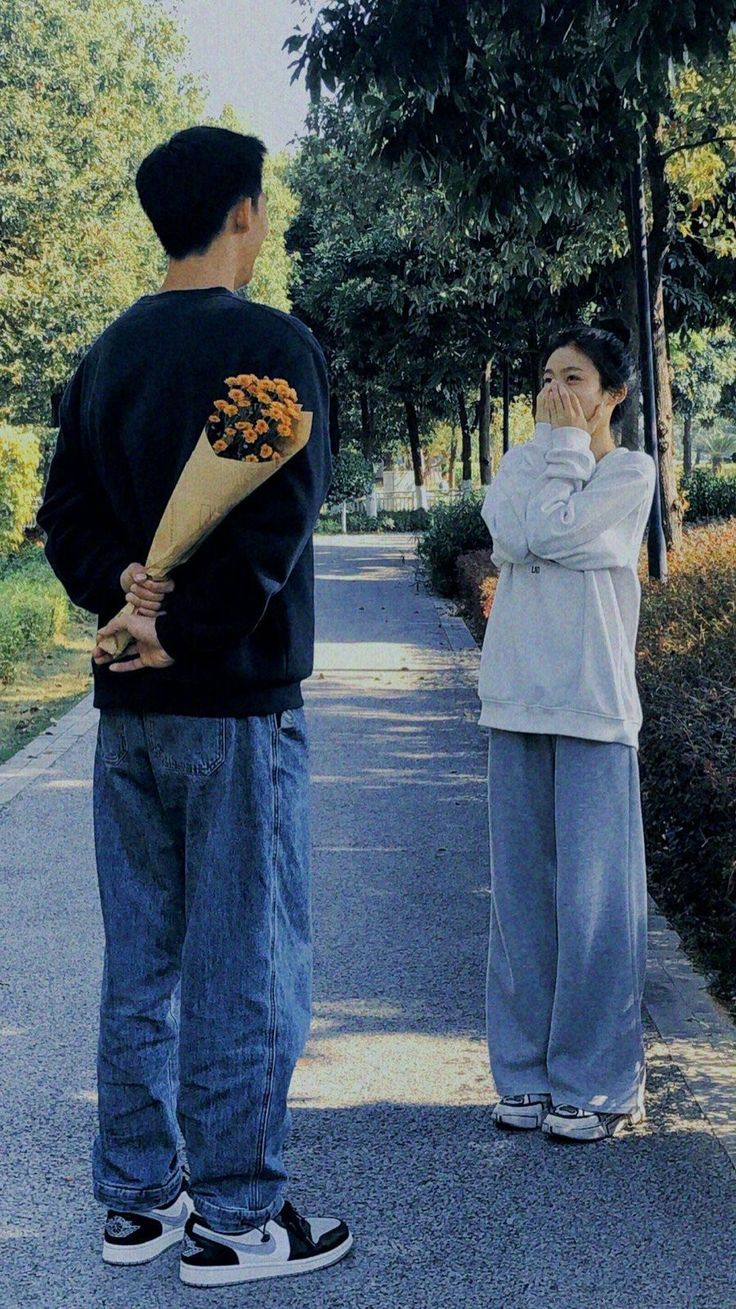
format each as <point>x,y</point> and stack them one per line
<point>201,771</point>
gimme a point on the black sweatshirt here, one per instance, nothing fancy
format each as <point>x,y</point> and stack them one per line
<point>240,623</point>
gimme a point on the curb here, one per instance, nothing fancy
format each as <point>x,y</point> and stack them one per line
<point>696,1031</point>
<point>42,753</point>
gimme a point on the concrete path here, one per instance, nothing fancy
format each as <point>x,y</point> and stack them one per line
<point>391,1103</point>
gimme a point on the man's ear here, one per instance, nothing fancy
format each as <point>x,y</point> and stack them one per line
<point>243,215</point>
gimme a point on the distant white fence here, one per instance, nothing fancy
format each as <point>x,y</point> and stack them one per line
<point>392,502</point>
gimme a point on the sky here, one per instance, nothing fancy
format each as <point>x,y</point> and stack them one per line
<point>237,43</point>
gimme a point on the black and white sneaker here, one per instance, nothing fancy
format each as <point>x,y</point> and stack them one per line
<point>284,1245</point>
<point>522,1113</point>
<point>137,1238</point>
<point>568,1123</point>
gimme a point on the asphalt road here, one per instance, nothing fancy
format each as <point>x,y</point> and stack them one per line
<point>392,1125</point>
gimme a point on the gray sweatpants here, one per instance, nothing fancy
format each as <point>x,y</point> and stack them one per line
<point>567,954</point>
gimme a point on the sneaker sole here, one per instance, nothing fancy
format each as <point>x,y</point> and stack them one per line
<point>192,1275</point>
<point>583,1135</point>
<point>511,1120</point>
<point>128,1255</point>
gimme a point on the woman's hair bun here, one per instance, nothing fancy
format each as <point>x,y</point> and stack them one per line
<point>614,324</point>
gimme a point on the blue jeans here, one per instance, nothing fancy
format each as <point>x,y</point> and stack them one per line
<point>202,840</point>
<point>568,938</point>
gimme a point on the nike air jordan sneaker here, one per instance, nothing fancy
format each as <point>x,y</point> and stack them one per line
<point>137,1238</point>
<point>283,1246</point>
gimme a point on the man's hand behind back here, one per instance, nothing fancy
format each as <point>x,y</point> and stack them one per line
<point>145,650</point>
<point>142,591</point>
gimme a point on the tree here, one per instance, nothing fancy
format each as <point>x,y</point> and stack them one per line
<point>704,366</point>
<point>527,119</point>
<point>89,86</point>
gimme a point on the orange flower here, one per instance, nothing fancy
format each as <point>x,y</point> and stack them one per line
<point>230,381</point>
<point>219,445</point>
<point>230,431</point>
<point>214,418</point>
<point>266,451</point>
<point>251,459</point>
<point>221,404</point>
<point>242,426</point>
<point>261,426</point>
<point>239,397</point>
<point>231,410</point>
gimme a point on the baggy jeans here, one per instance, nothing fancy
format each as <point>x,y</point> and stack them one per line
<point>202,841</point>
<point>568,935</point>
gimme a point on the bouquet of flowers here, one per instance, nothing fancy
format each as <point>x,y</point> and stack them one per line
<point>246,439</point>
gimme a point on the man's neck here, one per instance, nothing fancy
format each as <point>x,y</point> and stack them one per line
<point>197,274</point>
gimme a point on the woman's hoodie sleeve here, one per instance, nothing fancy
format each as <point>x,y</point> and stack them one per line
<point>504,506</point>
<point>583,524</point>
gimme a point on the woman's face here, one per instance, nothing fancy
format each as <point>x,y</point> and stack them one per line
<point>579,373</point>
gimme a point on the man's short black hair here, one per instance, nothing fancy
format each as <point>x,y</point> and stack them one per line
<point>188,185</point>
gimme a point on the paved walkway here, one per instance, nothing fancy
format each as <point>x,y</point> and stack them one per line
<point>391,1102</point>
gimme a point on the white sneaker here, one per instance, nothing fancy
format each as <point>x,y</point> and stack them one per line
<point>284,1245</point>
<point>566,1122</point>
<point>137,1238</point>
<point>522,1112</point>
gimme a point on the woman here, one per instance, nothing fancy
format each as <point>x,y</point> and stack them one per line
<point>567,513</point>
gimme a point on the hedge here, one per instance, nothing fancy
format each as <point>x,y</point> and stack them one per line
<point>687,681</point>
<point>708,495</point>
<point>20,484</point>
<point>33,610</point>
<point>400,520</point>
<point>454,527</point>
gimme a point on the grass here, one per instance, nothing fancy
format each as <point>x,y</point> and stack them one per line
<point>45,648</point>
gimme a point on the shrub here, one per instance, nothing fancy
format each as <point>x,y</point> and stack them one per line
<point>687,682</point>
<point>352,477</point>
<point>20,484</point>
<point>404,520</point>
<point>454,527</point>
<point>401,520</point>
<point>708,495</point>
<point>476,578</point>
<point>328,526</point>
<point>33,609</point>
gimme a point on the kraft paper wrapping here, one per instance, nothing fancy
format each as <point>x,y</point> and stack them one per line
<point>208,488</point>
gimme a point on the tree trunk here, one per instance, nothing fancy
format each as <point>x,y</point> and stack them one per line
<point>687,443</point>
<point>467,442</point>
<point>534,376</point>
<point>367,434</point>
<point>452,460</point>
<point>659,244</point>
<point>671,503</point>
<point>484,425</point>
<point>630,424</point>
<point>334,422</point>
<point>417,454</point>
<point>506,404</point>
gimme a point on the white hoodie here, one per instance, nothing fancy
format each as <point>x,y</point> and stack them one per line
<point>558,654</point>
